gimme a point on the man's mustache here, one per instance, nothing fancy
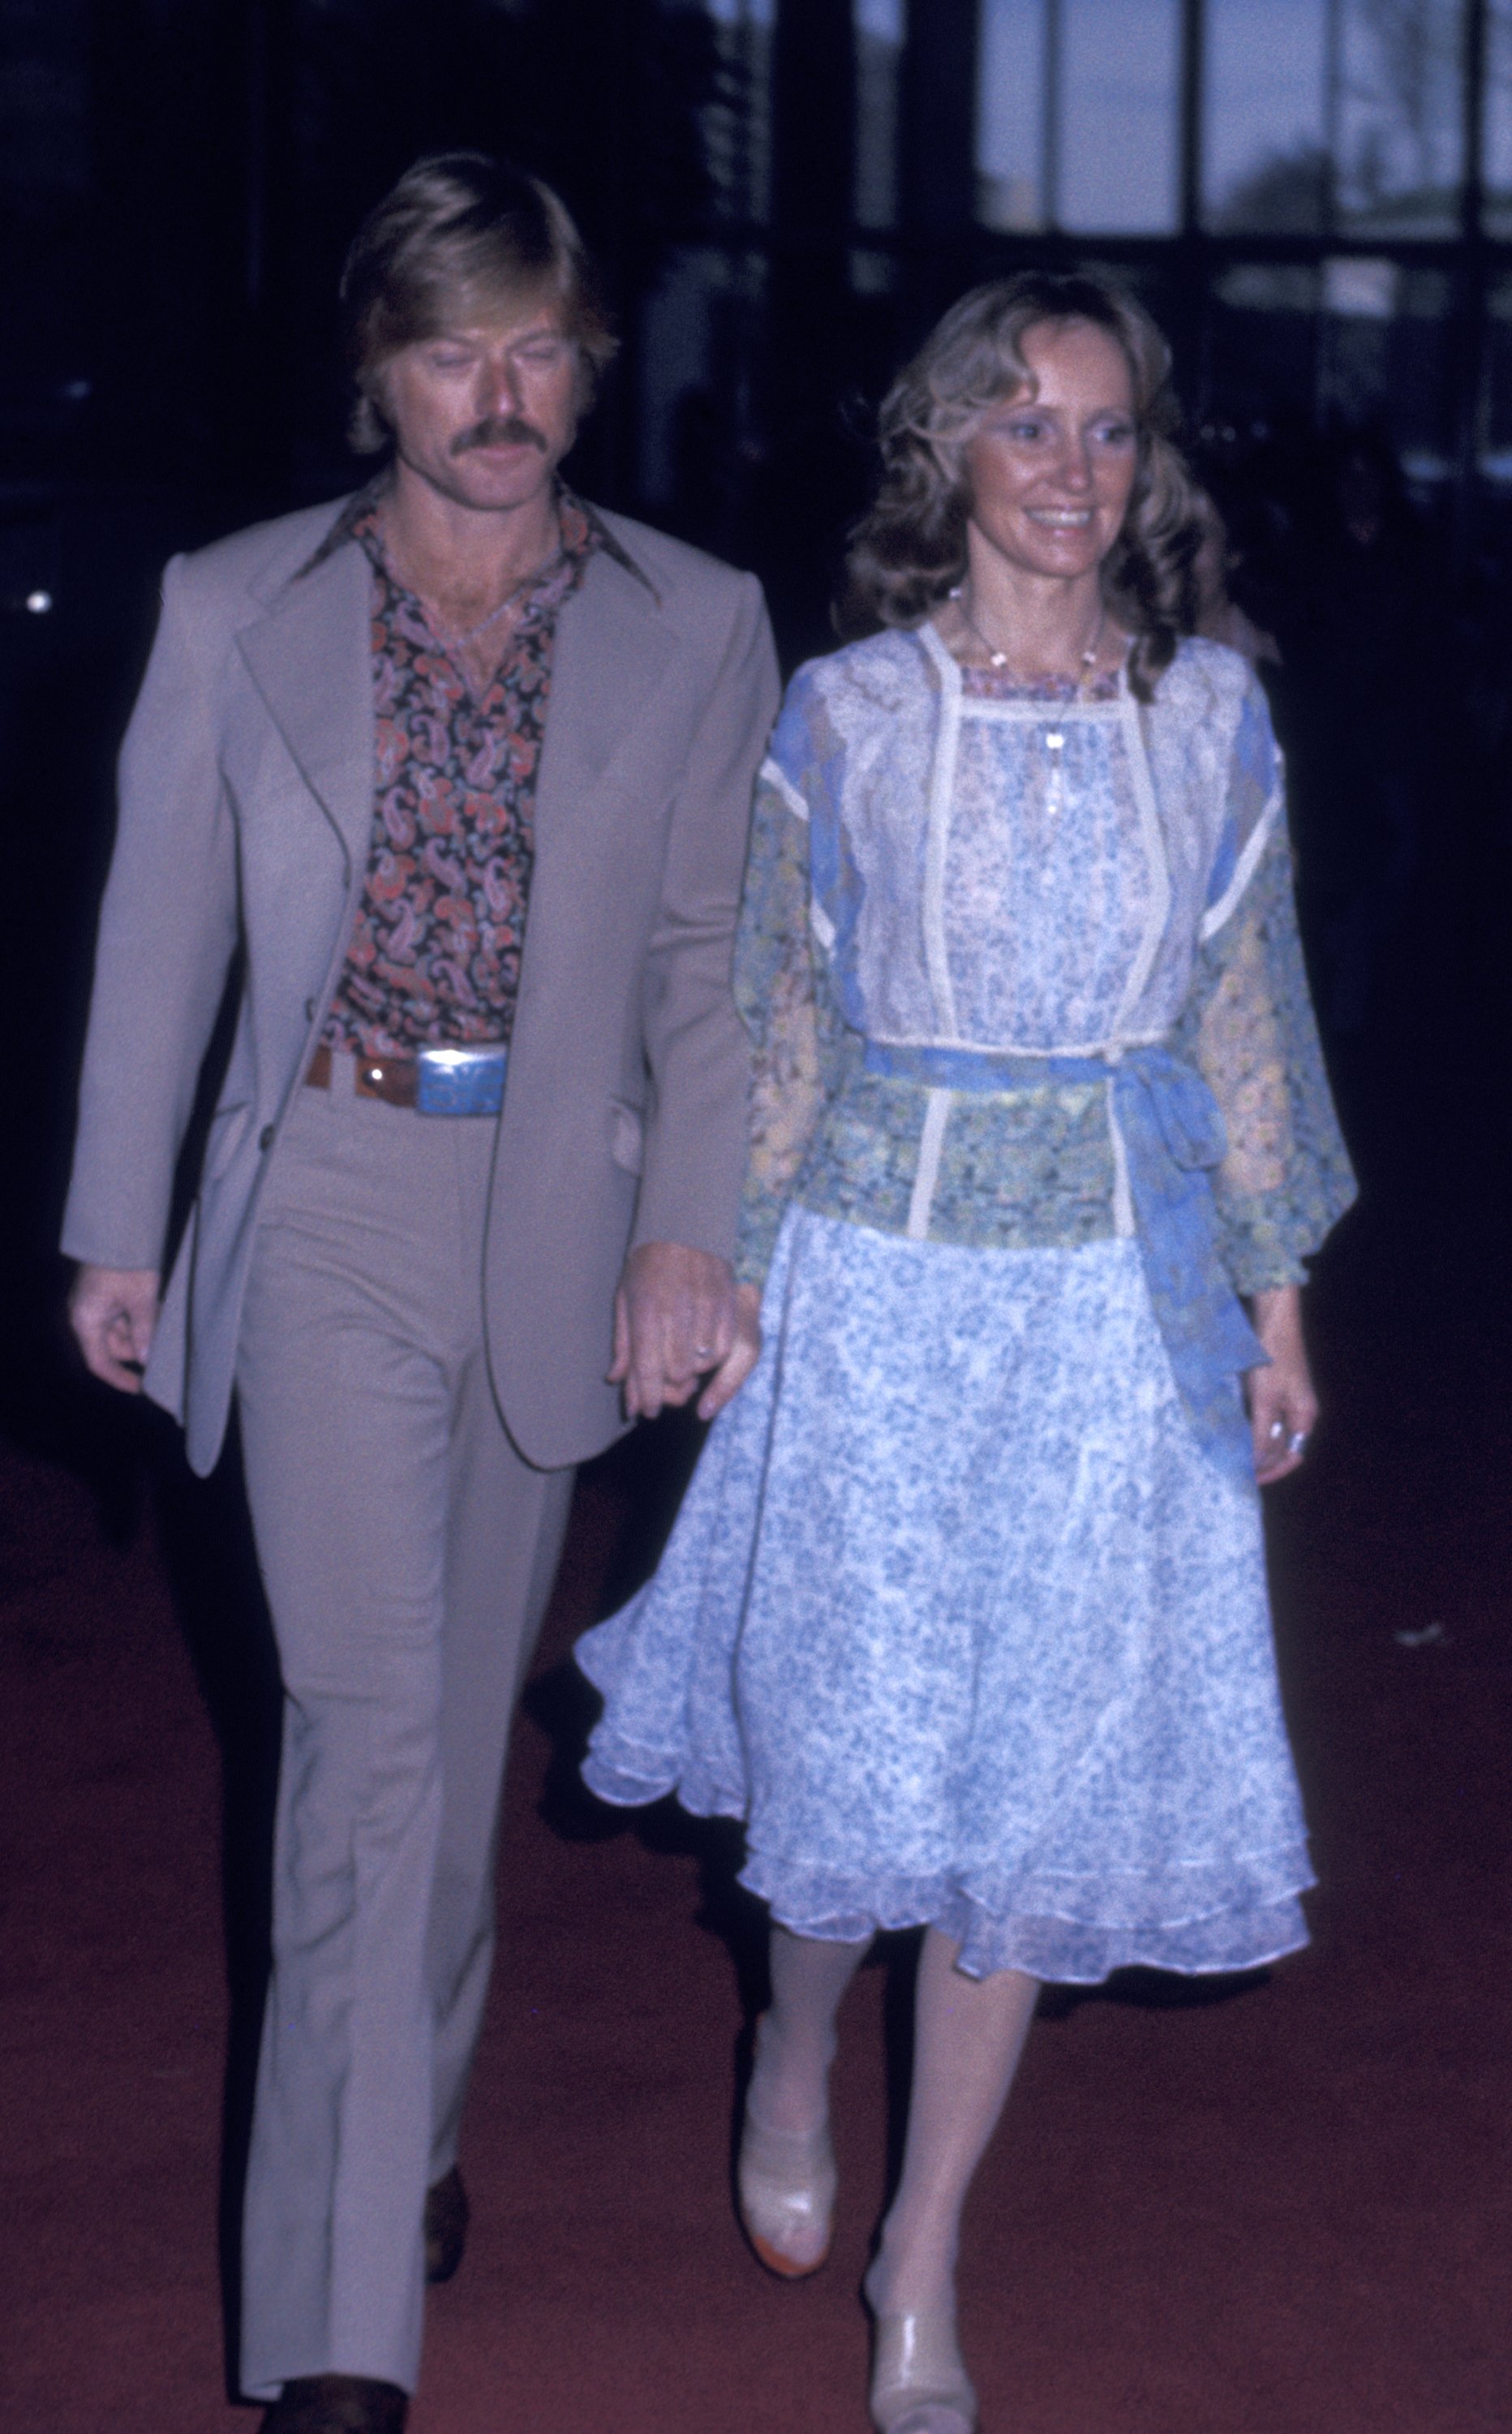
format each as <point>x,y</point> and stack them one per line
<point>499,430</point>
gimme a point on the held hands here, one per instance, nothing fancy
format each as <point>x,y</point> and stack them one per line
<point>680,1316</point>
<point>112,1313</point>
<point>1282,1406</point>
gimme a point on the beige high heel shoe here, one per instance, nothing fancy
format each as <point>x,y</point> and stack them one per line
<point>919,2381</point>
<point>787,2190</point>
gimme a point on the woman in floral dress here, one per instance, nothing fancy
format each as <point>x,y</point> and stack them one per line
<point>965,1611</point>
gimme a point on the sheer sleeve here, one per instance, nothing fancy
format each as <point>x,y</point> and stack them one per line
<point>1250,1030</point>
<point>780,991</point>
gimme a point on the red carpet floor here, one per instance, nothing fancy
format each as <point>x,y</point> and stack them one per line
<point>1282,2209</point>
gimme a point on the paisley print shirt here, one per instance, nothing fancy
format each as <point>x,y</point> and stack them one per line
<point>436,951</point>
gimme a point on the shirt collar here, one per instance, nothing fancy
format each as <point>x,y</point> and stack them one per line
<point>583,531</point>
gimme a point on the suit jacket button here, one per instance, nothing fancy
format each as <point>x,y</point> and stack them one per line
<point>264,1138</point>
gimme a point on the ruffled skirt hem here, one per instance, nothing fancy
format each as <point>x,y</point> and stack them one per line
<point>1214,1918</point>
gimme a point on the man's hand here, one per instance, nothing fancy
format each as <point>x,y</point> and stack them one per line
<point>1282,1406</point>
<point>678,1316</point>
<point>112,1313</point>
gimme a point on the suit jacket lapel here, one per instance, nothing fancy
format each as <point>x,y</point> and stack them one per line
<point>611,653</point>
<point>311,659</point>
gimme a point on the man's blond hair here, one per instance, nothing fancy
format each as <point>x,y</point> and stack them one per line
<point>458,239</point>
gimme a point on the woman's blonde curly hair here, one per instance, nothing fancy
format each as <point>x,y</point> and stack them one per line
<point>910,549</point>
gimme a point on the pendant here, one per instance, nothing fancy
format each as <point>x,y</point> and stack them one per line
<point>1055,797</point>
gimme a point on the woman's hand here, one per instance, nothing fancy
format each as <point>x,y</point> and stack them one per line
<point>1282,1406</point>
<point>742,1356</point>
<point>674,1319</point>
<point>678,1317</point>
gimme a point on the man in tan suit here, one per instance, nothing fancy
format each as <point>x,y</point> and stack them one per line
<point>469,1191</point>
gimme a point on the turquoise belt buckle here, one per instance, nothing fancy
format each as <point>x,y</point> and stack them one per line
<point>460,1081</point>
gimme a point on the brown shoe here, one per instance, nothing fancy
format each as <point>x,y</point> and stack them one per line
<point>337,2404</point>
<point>446,2226</point>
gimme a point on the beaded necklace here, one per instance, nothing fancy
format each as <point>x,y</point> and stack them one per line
<point>1054,736</point>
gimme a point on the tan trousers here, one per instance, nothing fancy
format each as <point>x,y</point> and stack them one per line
<point>408,1552</point>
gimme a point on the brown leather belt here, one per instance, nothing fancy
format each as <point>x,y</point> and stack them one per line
<point>443,1081</point>
<point>394,1079</point>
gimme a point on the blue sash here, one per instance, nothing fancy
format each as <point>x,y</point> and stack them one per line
<point>1172,1134</point>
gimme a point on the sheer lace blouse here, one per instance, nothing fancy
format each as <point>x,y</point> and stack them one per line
<point>942,859</point>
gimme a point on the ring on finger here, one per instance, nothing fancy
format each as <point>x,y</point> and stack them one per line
<point>1297,1443</point>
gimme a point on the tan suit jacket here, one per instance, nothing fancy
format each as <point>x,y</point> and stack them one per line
<point>247,804</point>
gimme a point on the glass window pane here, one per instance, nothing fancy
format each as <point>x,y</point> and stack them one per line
<point>1262,368</point>
<point>1496,454</point>
<point>1009,114</point>
<point>1119,87</point>
<point>738,124</point>
<point>1265,113</point>
<point>1387,356</point>
<point>1400,141</point>
<point>1354,339</point>
<point>878,43</point>
<point>1498,134</point>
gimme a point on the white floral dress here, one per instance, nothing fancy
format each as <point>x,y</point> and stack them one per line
<point>965,1613</point>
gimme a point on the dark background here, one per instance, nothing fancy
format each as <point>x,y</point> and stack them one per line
<point>783,200</point>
